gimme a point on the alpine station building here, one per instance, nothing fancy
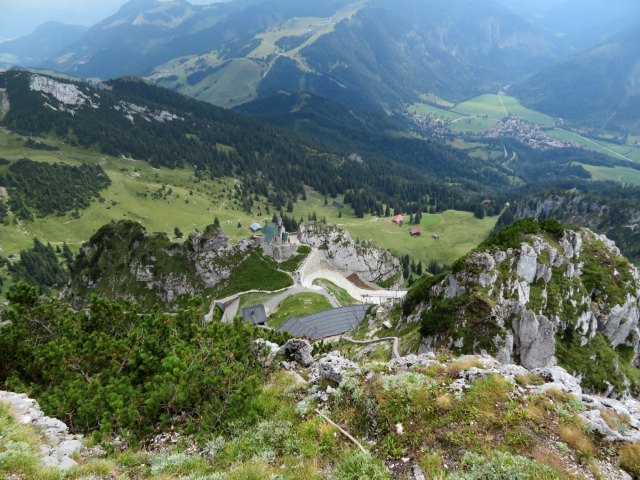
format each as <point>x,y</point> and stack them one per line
<point>329,323</point>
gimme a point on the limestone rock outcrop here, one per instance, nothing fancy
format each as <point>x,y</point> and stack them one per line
<point>299,351</point>
<point>545,301</point>
<point>363,257</point>
<point>122,260</point>
<point>61,445</point>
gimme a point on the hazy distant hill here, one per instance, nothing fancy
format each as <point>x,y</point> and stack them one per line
<point>363,53</point>
<point>46,41</point>
<point>599,88</point>
<point>579,24</point>
<point>372,53</point>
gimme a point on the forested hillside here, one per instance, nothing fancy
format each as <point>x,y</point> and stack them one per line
<point>131,118</point>
<point>42,189</point>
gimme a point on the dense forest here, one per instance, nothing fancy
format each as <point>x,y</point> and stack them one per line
<point>37,188</point>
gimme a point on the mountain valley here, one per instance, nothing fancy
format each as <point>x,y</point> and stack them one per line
<point>337,239</point>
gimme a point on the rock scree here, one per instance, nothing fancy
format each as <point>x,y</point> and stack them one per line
<point>61,445</point>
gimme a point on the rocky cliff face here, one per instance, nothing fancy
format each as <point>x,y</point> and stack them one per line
<point>617,218</point>
<point>540,299</point>
<point>365,258</point>
<point>124,261</point>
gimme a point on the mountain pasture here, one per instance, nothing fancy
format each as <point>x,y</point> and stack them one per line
<point>623,175</point>
<point>459,232</point>
<point>163,199</point>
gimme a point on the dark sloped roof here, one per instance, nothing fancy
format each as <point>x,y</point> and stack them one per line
<point>325,324</point>
<point>255,315</point>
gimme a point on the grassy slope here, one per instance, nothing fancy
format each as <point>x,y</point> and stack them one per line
<point>340,294</point>
<point>628,152</point>
<point>237,81</point>
<point>490,431</point>
<point>255,273</point>
<point>459,231</point>
<point>614,174</point>
<point>298,306</point>
<point>125,199</point>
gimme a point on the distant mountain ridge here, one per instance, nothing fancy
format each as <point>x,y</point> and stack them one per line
<point>359,52</point>
<point>46,41</point>
<point>580,24</point>
<point>598,88</point>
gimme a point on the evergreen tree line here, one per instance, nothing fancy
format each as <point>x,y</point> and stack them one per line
<point>40,266</point>
<point>46,189</point>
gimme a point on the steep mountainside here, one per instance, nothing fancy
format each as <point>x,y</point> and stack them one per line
<point>579,24</point>
<point>540,295</point>
<point>371,53</point>
<point>360,52</point>
<point>598,88</point>
<point>132,118</point>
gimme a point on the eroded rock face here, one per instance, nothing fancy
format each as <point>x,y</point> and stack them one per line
<point>129,256</point>
<point>518,303</point>
<point>370,262</point>
<point>62,446</point>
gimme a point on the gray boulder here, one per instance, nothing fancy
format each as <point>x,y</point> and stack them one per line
<point>298,350</point>
<point>331,366</point>
<point>62,446</point>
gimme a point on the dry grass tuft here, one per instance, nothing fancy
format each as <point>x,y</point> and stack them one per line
<point>444,402</point>
<point>575,437</point>
<point>629,456</point>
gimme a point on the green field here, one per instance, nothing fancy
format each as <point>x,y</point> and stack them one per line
<point>614,174</point>
<point>499,106</point>
<point>459,231</point>
<point>340,294</point>
<point>298,306</point>
<point>191,204</point>
<point>482,113</point>
<point>624,152</point>
<point>255,273</point>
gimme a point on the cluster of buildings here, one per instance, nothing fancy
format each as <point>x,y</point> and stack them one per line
<point>274,239</point>
<point>527,133</point>
<point>436,126</point>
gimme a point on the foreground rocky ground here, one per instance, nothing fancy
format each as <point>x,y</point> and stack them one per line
<point>415,417</point>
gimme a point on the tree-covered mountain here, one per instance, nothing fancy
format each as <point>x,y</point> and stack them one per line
<point>599,88</point>
<point>371,53</point>
<point>606,209</point>
<point>132,118</point>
